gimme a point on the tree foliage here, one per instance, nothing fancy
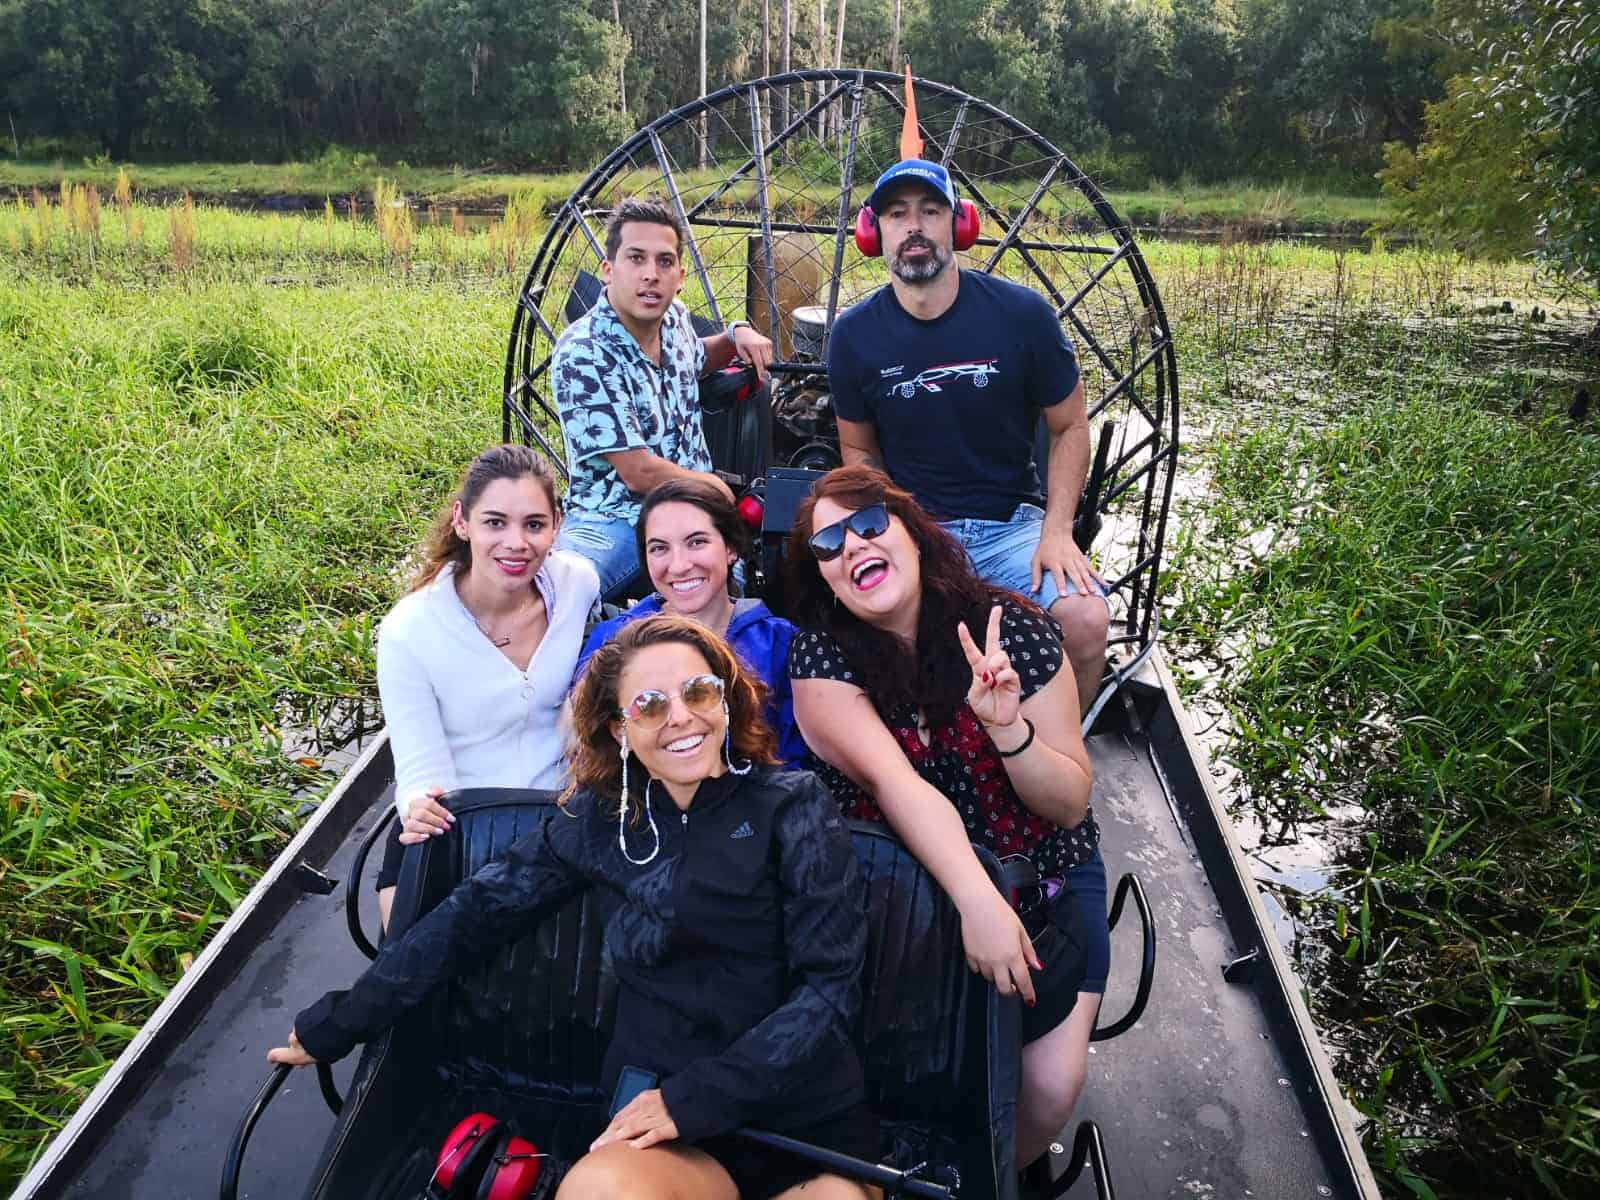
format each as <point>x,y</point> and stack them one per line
<point>1513,150</point>
<point>1204,86</point>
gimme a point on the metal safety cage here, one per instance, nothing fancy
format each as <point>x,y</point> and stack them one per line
<point>768,177</point>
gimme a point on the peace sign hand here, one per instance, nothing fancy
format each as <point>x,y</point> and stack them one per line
<point>996,693</point>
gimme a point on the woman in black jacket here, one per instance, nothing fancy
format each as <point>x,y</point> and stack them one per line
<point>737,934</point>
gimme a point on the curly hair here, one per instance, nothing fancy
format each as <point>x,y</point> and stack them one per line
<point>592,749</point>
<point>444,545</point>
<point>936,678</point>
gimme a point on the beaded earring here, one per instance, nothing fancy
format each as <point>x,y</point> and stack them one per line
<point>727,745</point>
<point>622,813</point>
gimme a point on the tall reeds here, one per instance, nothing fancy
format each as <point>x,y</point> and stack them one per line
<point>132,222</point>
<point>392,212</point>
<point>183,235</point>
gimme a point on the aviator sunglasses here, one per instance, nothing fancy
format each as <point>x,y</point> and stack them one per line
<point>827,543</point>
<point>649,709</point>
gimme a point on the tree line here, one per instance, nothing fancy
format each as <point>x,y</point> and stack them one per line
<point>1140,86</point>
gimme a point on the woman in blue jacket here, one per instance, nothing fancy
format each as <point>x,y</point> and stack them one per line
<point>690,537</point>
<point>737,932</point>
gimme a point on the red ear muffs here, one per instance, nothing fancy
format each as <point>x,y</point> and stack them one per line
<point>467,1152</point>
<point>964,221</point>
<point>483,1160</point>
<point>514,1174</point>
<point>867,239</point>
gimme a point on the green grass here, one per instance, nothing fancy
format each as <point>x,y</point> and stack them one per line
<point>209,486</point>
<point>1286,203</point>
<point>341,177</point>
<point>1387,587</point>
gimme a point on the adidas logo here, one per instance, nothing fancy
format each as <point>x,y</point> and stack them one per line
<point>743,831</point>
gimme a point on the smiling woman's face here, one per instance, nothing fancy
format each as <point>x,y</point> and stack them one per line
<point>878,579</point>
<point>510,531</point>
<point>688,746</point>
<point>687,559</point>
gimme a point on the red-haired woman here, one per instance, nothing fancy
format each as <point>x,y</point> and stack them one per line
<point>737,936</point>
<point>955,740</point>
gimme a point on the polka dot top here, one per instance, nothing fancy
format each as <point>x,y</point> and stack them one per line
<point>959,759</point>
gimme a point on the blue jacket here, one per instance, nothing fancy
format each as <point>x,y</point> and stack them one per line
<point>761,640</point>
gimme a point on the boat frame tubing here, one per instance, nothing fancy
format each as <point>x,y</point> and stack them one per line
<point>222,957</point>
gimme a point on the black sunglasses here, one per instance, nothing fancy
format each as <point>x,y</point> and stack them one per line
<point>827,543</point>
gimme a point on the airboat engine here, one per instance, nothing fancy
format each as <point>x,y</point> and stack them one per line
<point>802,407</point>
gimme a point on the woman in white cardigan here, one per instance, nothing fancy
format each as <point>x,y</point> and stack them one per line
<point>473,664</point>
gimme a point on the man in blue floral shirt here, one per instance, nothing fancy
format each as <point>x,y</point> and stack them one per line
<point>625,378</point>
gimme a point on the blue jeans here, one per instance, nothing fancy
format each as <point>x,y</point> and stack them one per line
<point>1086,883</point>
<point>609,544</point>
<point>1002,553</point>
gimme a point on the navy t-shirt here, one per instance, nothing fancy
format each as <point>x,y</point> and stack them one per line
<point>955,400</point>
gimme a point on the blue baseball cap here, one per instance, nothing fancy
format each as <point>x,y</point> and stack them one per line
<point>919,170</point>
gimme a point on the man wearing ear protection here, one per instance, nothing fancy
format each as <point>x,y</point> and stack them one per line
<point>939,379</point>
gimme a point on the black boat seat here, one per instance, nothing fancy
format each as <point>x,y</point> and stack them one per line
<point>524,1035</point>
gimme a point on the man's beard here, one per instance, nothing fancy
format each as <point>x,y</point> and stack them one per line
<point>922,270</point>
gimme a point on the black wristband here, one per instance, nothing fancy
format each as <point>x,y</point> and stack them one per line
<point>1026,742</point>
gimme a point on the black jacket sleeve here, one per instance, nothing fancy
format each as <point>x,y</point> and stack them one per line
<point>799,1043</point>
<point>504,900</point>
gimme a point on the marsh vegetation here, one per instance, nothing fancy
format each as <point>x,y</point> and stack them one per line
<point>223,434</point>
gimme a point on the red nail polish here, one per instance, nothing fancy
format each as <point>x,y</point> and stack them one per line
<point>1031,1003</point>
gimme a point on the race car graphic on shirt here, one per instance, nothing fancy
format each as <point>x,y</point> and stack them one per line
<point>978,370</point>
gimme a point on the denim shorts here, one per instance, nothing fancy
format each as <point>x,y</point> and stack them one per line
<point>1074,945</point>
<point>609,544</point>
<point>1002,553</point>
<point>1086,883</point>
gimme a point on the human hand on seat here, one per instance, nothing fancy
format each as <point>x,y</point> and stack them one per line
<point>753,348</point>
<point>641,1123</point>
<point>996,693</point>
<point>425,818</point>
<point>998,947</point>
<point>292,1055</point>
<point>1058,555</point>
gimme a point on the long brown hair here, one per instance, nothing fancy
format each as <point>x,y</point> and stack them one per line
<point>444,545</point>
<point>709,500</point>
<point>592,750</point>
<point>936,678</point>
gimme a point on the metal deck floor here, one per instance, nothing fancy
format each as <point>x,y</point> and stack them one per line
<point>1195,1100</point>
<point>1190,1100</point>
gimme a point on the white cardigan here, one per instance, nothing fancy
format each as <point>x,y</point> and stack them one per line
<point>459,712</point>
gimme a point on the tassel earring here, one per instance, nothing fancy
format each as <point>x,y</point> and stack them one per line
<point>622,814</point>
<point>727,745</point>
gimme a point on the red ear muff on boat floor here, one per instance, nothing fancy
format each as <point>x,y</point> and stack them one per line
<point>964,221</point>
<point>483,1160</point>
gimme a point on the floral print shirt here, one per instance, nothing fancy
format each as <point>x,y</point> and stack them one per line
<point>612,398</point>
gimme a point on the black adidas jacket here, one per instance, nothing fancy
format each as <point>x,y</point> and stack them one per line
<point>738,950</point>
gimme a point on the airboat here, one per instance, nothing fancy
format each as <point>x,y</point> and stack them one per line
<point>1207,1076</point>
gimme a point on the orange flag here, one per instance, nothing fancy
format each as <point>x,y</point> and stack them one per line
<point>910,139</point>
